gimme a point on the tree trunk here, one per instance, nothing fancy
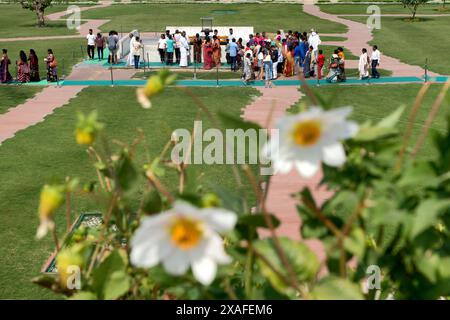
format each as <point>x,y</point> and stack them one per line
<point>40,16</point>
<point>414,11</point>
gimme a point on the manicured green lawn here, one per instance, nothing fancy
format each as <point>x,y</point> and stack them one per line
<point>329,50</point>
<point>263,17</point>
<point>12,95</point>
<point>67,53</point>
<point>48,150</point>
<point>377,101</point>
<point>329,38</point>
<point>389,8</point>
<point>188,75</point>
<point>19,22</point>
<point>401,39</point>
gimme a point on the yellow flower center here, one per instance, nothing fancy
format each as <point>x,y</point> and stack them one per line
<point>186,233</point>
<point>306,133</point>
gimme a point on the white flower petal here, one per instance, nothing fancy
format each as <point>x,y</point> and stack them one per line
<point>204,270</point>
<point>220,219</point>
<point>215,250</point>
<point>334,155</point>
<point>147,252</point>
<point>176,263</point>
<point>282,166</point>
<point>307,168</point>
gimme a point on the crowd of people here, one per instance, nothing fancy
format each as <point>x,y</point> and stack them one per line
<point>263,57</point>
<point>28,67</point>
<point>260,58</point>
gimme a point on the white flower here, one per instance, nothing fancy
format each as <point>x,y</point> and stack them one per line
<point>181,237</point>
<point>309,138</point>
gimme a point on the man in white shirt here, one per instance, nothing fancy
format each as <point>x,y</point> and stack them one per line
<point>230,35</point>
<point>162,48</point>
<point>90,44</point>
<point>184,50</point>
<point>177,38</point>
<point>375,61</point>
<point>314,41</point>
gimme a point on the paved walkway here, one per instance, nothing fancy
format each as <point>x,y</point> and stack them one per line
<point>35,109</point>
<point>276,101</point>
<point>358,37</point>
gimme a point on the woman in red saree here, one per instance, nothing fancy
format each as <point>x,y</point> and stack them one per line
<point>23,70</point>
<point>5,76</point>
<point>289,64</point>
<point>207,54</point>
<point>34,66</point>
<point>217,52</point>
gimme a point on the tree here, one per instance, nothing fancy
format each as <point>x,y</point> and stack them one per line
<point>413,5</point>
<point>37,6</point>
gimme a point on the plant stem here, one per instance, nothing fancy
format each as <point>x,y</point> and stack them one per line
<point>434,110</point>
<point>411,121</point>
<point>55,239</point>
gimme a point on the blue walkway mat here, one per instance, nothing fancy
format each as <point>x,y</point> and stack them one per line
<point>238,83</point>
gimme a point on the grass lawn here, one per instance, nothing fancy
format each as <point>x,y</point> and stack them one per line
<point>377,101</point>
<point>12,95</point>
<point>188,75</point>
<point>19,22</point>
<point>329,50</point>
<point>400,39</point>
<point>330,38</point>
<point>48,150</point>
<point>67,53</point>
<point>263,17</point>
<point>385,9</point>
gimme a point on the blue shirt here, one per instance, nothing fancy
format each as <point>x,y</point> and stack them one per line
<point>169,44</point>
<point>298,51</point>
<point>303,49</point>
<point>233,49</point>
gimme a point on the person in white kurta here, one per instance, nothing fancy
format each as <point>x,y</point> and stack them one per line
<point>363,65</point>
<point>133,35</point>
<point>184,50</point>
<point>314,41</point>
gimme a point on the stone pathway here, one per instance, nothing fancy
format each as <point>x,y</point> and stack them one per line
<point>34,110</point>
<point>358,36</point>
<point>275,101</point>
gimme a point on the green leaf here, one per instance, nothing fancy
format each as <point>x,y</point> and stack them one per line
<point>233,122</point>
<point>303,261</point>
<point>355,243</point>
<point>126,172</point>
<point>427,214</point>
<point>334,288</point>
<point>371,133</point>
<point>418,174</point>
<point>83,295</point>
<point>110,278</point>
<point>428,266</point>
<point>151,202</point>
<point>257,220</point>
<point>391,120</point>
<point>117,285</point>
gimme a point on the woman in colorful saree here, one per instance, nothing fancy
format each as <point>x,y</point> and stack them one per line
<point>289,64</point>
<point>197,49</point>
<point>51,66</point>
<point>5,76</point>
<point>34,66</point>
<point>207,54</point>
<point>23,70</point>
<point>217,52</point>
